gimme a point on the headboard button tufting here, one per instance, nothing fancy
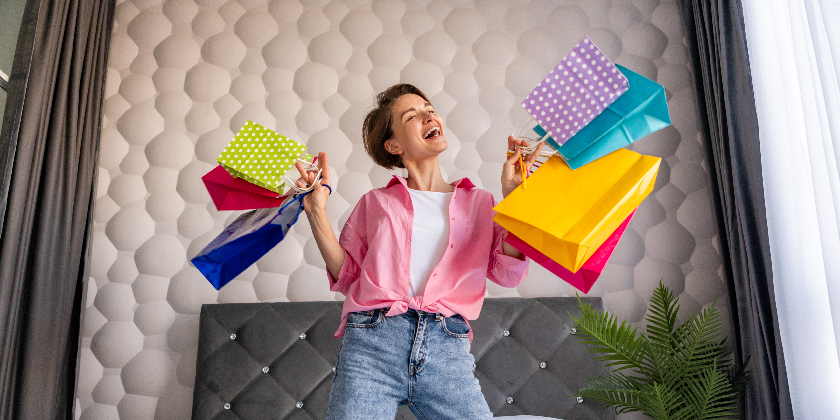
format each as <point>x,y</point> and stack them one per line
<point>505,333</point>
<point>299,404</point>
<point>574,330</point>
<point>302,336</point>
<point>265,369</point>
<point>227,406</point>
<point>580,400</point>
<point>509,400</point>
<point>233,336</point>
<point>542,365</point>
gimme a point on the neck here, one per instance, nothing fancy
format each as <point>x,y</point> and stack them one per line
<point>426,176</point>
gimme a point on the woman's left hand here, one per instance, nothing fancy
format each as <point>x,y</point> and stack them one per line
<point>512,170</point>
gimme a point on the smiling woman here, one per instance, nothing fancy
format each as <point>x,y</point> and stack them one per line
<point>409,280</point>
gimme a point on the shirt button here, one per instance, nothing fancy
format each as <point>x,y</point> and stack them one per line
<point>451,246</point>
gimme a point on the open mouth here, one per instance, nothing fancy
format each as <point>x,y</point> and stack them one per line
<point>433,132</point>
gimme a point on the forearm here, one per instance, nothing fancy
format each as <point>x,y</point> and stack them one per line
<point>328,244</point>
<point>509,250</point>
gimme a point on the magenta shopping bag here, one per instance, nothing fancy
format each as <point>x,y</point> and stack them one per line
<point>586,276</point>
<point>231,193</point>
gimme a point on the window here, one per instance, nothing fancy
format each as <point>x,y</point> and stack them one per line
<point>11,13</point>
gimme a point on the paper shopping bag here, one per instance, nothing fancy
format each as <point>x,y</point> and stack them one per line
<point>230,193</point>
<point>585,278</point>
<point>642,110</point>
<point>247,239</point>
<point>568,214</point>
<point>261,156</point>
<point>575,91</point>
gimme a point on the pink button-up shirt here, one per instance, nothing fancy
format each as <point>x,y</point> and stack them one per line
<point>377,247</point>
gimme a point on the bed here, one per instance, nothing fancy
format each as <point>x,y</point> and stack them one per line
<point>275,360</point>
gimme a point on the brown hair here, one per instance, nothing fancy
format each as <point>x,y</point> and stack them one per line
<point>376,129</point>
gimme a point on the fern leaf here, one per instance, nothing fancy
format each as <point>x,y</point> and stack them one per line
<point>660,364</point>
<point>697,341</point>
<point>662,402</point>
<point>617,344</point>
<point>662,316</point>
<point>615,390</point>
<point>738,376</point>
<point>712,396</point>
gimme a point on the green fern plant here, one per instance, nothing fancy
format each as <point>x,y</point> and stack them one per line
<point>671,373</point>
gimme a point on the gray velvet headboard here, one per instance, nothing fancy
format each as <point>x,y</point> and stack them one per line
<point>275,360</point>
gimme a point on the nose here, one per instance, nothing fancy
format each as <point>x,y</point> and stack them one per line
<point>427,116</point>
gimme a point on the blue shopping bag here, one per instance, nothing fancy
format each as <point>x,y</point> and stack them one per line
<point>246,240</point>
<point>640,111</point>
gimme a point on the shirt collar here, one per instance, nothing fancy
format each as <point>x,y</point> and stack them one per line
<point>461,183</point>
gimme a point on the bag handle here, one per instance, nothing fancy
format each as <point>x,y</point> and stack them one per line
<point>309,188</point>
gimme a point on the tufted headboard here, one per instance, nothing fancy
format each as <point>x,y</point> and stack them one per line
<point>275,360</point>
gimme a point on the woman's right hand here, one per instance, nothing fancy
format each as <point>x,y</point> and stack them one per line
<point>316,201</point>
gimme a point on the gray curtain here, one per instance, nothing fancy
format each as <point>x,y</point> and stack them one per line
<point>718,49</point>
<point>48,157</point>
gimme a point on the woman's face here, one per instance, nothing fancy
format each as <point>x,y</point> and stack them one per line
<point>418,130</point>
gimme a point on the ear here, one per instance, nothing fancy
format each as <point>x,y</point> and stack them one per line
<point>392,147</point>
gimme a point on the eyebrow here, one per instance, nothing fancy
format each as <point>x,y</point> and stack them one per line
<point>414,109</point>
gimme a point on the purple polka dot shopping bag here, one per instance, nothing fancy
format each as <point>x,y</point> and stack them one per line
<point>581,87</point>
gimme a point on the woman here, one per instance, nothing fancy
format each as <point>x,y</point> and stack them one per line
<point>412,261</point>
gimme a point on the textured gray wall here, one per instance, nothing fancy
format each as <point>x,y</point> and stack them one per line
<point>185,75</point>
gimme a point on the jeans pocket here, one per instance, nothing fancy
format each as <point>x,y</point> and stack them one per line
<point>364,319</point>
<point>455,326</point>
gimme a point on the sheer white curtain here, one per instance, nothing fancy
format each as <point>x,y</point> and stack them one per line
<point>794,56</point>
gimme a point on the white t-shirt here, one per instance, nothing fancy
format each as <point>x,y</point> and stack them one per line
<point>429,236</point>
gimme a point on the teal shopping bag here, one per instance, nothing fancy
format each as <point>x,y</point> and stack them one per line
<point>642,110</point>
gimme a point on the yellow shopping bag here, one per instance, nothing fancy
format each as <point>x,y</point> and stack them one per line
<point>567,214</point>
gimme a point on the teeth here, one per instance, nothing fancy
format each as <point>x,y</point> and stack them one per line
<point>433,130</point>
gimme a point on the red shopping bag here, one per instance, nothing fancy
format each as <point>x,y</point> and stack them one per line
<point>586,276</point>
<point>231,193</point>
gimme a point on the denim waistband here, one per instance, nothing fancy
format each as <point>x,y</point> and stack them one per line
<point>413,313</point>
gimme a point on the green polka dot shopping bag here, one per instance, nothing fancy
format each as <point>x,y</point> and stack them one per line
<point>262,156</point>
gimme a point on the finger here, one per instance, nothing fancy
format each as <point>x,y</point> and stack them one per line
<point>530,159</point>
<point>514,158</point>
<point>325,168</point>
<point>511,143</point>
<point>302,172</point>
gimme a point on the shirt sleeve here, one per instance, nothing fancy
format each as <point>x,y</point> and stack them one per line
<point>353,240</point>
<point>505,270</point>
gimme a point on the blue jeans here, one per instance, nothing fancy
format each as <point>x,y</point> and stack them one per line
<point>418,359</point>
